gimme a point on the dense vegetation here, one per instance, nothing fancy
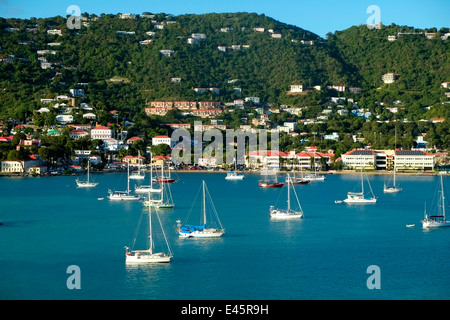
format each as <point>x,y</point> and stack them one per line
<point>357,57</point>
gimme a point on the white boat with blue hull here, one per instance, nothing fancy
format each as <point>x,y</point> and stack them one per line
<point>204,230</point>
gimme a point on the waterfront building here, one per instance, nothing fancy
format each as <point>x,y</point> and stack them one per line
<point>388,160</point>
<point>414,159</point>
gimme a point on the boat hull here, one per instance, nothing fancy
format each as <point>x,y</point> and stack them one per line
<point>271,185</point>
<point>148,258</point>
<point>137,177</point>
<point>283,215</point>
<point>428,224</point>
<point>165,180</point>
<point>123,198</point>
<point>300,182</point>
<point>86,184</point>
<point>360,201</point>
<point>392,190</point>
<point>234,177</point>
<point>207,233</point>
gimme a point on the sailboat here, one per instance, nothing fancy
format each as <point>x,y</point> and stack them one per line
<point>149,255</point>
<point>438,220</point>
<point>138,175</point>
<point>360,197</point>
<point>314,176</point>
<point>87,183</point>
<point>276,213</point>
<point>297,180</point>
<point>269,180</point>
<point>165,200</point>
<point>165,179</point>
<point>394,188</point>
<point>233,175</point>
<point>123,195</point>
<point>146,188</point>
<point>202,231</point>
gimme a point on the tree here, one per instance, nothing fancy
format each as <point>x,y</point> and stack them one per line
<point>161,150</point>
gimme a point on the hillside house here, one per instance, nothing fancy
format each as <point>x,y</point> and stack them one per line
<point>101,133</point>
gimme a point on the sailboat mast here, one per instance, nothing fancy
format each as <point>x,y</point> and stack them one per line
<point>289,195</point>
<point>443,197</point>
<point>89,162</point>
<point>395,147</point>
<point>162,181</point>
<point>362,181</point>
<point>151,173</point>
<point>128,177</point>
<point>204,203</point>
<point>150,235</point>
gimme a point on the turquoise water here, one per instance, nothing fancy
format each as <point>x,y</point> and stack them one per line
<point>49,225</point>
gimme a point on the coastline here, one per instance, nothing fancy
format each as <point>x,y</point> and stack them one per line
<point>342,172</point>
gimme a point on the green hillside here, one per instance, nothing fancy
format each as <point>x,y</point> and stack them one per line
<point>108,59</point>
<point>95,54</point>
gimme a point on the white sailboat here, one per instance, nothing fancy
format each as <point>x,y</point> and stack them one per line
<point>202,231</point>
<point>276,213</point>
<point>394,188</point>
<point>314,176</point>
<point>165,200</point>
<point>123,195</point>
<point>234,175</point>
<point>149,255</point>
<point>360,197</point>
<point>438,220</point>
<point>87,183</point>
<point>146,188</point>
<point>138,175</point>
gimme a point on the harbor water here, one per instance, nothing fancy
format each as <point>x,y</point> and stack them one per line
<point>49,225</point>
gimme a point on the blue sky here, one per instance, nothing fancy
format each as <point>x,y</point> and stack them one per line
<point>320,16</point>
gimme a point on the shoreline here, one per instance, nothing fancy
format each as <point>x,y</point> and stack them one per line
<point>342,172</point>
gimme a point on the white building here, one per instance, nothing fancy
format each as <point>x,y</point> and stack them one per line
<point>12,166</point>
<point>167,53</point>
<point>78,134</point>
<point>389,78</point>
<point>356,158</point>
<point>89,115</point>
<point>77,92</point>
<point>64,118</point>
<point>252,99</point>
<point>157,140</point>
<point>413,159</point>
<point>54,32</point>
<point>398,159</point>
<point>101,133</point>
<point>296,88</point>
<point>265,159</point>
<point>392,38</point>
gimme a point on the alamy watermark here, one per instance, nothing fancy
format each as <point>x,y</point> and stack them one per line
<point>374,280</point>
<point>374,20</point>
<point>210,144</point>
<point>74,21</point>
<point>74,280</point>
